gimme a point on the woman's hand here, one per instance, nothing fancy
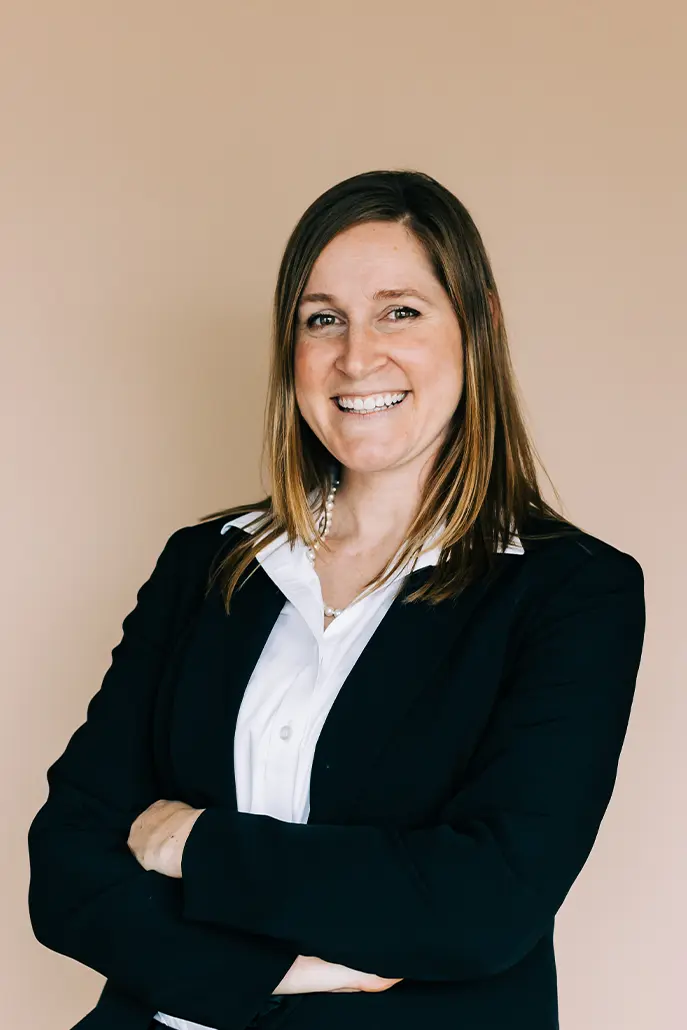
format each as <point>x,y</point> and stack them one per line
<point>157,838</point>
<point>309,974</point>
<point>158,835</point>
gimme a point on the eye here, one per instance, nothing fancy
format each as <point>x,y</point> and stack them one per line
<point>404,312</point>
<point>412,311</point>
<point>313,324</point>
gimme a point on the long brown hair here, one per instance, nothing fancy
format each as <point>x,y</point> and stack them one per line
<point>483,482</point>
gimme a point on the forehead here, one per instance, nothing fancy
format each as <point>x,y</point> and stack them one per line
<point>371,255</point>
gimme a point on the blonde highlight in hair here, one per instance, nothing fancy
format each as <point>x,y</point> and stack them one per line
<point>483,482</point>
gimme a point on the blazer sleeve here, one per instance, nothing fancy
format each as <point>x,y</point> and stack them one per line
<point>472,895</point>
<point>89,898</point>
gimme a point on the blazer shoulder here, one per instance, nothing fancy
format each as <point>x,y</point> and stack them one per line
<point>576,568</point>
<point>199,548</point>
<point>201,541</point>
<point>203,533</point>
<point>557,547</point>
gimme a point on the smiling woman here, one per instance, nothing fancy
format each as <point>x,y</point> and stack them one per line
<point>422,672</point>
<point>363,345</point>
<point>390,363</point>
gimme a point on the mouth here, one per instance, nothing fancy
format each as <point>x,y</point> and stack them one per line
<point>372,404</point>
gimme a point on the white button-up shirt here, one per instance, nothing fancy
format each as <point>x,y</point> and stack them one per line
<point>295,683</point>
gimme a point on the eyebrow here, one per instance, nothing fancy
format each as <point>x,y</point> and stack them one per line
<point>328,298</point>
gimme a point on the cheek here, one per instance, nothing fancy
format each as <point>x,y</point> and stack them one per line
<point>300,370</point>
<point>309,371</point>
<point>436,369</point>
<point>449,381</point>
<point>304,389</point>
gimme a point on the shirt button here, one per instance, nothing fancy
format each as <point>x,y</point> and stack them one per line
<point>285,732</point>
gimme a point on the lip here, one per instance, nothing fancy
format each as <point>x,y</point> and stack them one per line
<point>372,393</point>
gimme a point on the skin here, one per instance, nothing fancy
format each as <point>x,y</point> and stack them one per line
<point>356,343</point>
<point>360,344</point>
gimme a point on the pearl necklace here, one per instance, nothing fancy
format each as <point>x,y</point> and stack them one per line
<point>310,551</point>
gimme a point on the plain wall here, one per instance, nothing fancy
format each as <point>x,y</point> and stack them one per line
<point>155,157</point>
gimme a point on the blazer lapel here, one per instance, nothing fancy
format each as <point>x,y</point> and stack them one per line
<point>212,677</point>
<point>389,676</point>
<point>406,649</point>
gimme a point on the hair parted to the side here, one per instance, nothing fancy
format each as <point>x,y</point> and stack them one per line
<point>483,481</point>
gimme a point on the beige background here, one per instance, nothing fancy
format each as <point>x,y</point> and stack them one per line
<point>155,156</point>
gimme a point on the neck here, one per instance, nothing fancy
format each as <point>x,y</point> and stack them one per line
<point>372,508</point>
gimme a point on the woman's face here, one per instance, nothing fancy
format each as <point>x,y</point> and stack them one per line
<point>375,327</point>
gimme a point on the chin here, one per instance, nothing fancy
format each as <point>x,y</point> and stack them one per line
<point>372,461</point>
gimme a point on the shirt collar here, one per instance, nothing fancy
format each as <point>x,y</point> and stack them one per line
<point>293,573</point>
<point>429,556</point>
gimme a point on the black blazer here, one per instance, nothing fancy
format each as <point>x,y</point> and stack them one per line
<point>457,789</point>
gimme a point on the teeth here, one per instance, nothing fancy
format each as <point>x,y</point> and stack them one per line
<point>373,403</point>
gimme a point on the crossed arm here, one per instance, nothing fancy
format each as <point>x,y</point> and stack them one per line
<point>466,897</point>
<point>471,895</point>
<point>88,896</point>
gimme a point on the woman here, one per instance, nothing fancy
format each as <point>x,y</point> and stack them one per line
<point>424,671</point>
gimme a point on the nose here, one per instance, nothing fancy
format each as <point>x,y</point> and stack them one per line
<point>362,352</point>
